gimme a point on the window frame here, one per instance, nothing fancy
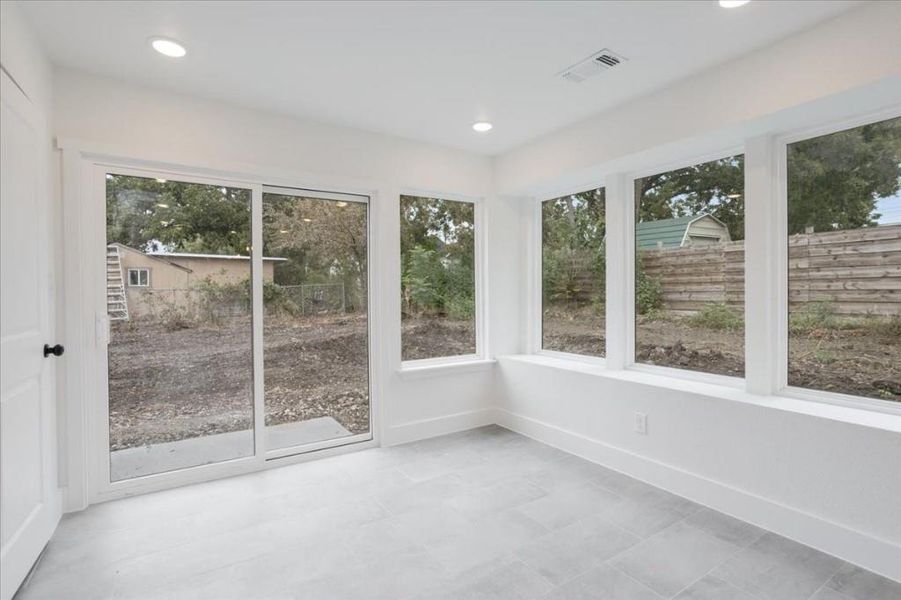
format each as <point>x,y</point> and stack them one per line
<point>766,267</point>
<point>84,169</point>
<point>535,280</point>
<point>629,254</point>
<point>779,237</point>
<point>138,271</point>
<point>438,364</point>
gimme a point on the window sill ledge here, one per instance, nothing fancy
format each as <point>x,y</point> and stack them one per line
<point>821,409</point>
<point>423,369</point>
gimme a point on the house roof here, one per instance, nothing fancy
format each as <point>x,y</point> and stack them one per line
<point>670,233</point>
<point>151,256</point>
<point>216,256</point>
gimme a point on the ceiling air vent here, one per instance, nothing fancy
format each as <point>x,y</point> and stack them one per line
<point>595,64</point>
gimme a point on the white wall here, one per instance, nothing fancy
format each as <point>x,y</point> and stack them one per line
<point>859,47</point>
<point>23,57</point>
<point>149,124</point>
<point>826,482</point>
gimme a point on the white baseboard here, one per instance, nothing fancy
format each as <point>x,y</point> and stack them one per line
<point>426,428</point>
<point>856,547</point>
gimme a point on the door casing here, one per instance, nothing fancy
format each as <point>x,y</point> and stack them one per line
<point>85,175</point>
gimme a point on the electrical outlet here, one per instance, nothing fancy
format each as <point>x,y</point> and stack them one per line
<point>641,423</point>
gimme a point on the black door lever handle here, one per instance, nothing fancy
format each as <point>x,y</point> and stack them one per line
<point>54,350</point>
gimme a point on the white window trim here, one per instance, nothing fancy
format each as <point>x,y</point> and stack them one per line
<point>780,150</point>
<point>766,279</point>
<point>84,169</point>
<point>535,258</point>
<point>458,362</point>
<point>138,270</point>
<point>628,200</point>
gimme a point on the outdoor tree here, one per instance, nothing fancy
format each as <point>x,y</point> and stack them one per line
<point>153,215</point>
<point>835,180</point>
<point>437,256</point>
<point>573,232</point>
<point>324,242</point>
<point>715,187</point>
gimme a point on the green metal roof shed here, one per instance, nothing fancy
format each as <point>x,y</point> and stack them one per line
<point>681,231</point>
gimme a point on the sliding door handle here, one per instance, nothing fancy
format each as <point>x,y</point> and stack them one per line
<point>54,350</point>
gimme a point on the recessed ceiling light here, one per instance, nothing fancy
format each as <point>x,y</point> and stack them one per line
<point>733,3</point>
<point>307,220</point>
<point>168,47</point>
<point>161,205</point>
<point>158,180</point>
<point>482,126</point>
<point>340,204</point>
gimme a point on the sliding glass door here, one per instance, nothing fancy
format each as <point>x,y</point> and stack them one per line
<point>315,324</point>
<point>194,317</point>
<point>177,287</point>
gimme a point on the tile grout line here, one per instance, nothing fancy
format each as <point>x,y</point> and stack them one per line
<point>737,550</point>
<point>828,579</point>
<point>641,583</point>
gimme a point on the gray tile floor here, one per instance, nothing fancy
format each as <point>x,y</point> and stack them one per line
<point>477,515</point>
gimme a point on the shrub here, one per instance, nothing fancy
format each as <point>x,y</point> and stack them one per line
<point>461,307</point>
<point>717,316</point>
<point>648,291</point>
<point>277,301</point>
<point>169,312</point>
<point>814,316</point>
<point>423,280</point>
<point>438,284</point>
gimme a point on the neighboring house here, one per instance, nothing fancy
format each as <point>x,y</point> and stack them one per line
<point>700,230</point>
<point>171,276</point>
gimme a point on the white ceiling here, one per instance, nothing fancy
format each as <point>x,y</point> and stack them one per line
<point>421,70</point>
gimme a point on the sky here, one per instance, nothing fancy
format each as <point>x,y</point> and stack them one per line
<point>889,209</point>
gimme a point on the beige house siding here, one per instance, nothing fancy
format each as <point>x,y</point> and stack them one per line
<point>163,276</point>
<point>222,270</point>
<point>173,278</point>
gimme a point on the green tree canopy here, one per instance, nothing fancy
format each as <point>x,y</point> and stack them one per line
<point>152,215</point>
<point>715,187</point>
<point>835,180</point>
<point>324,241</point>
<point>573,229</point>
<point>437,240</point>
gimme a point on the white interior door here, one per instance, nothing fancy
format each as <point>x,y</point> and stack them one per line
<point>28,496</point>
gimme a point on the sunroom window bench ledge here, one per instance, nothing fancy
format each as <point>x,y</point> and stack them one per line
<point>846,414</point>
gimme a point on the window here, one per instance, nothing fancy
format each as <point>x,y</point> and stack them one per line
<point>139,277</point>
<point>689,268</point>
<point>438,293</point>
<point>573,277</point>
<point>844,261</point>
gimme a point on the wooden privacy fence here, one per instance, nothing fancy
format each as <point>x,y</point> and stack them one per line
<point>858,272</point>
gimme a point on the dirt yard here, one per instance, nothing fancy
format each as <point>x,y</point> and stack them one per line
<point>170,384</point>
<point>431,338</point>
<point>167,385</point>
<point>851,361</point>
